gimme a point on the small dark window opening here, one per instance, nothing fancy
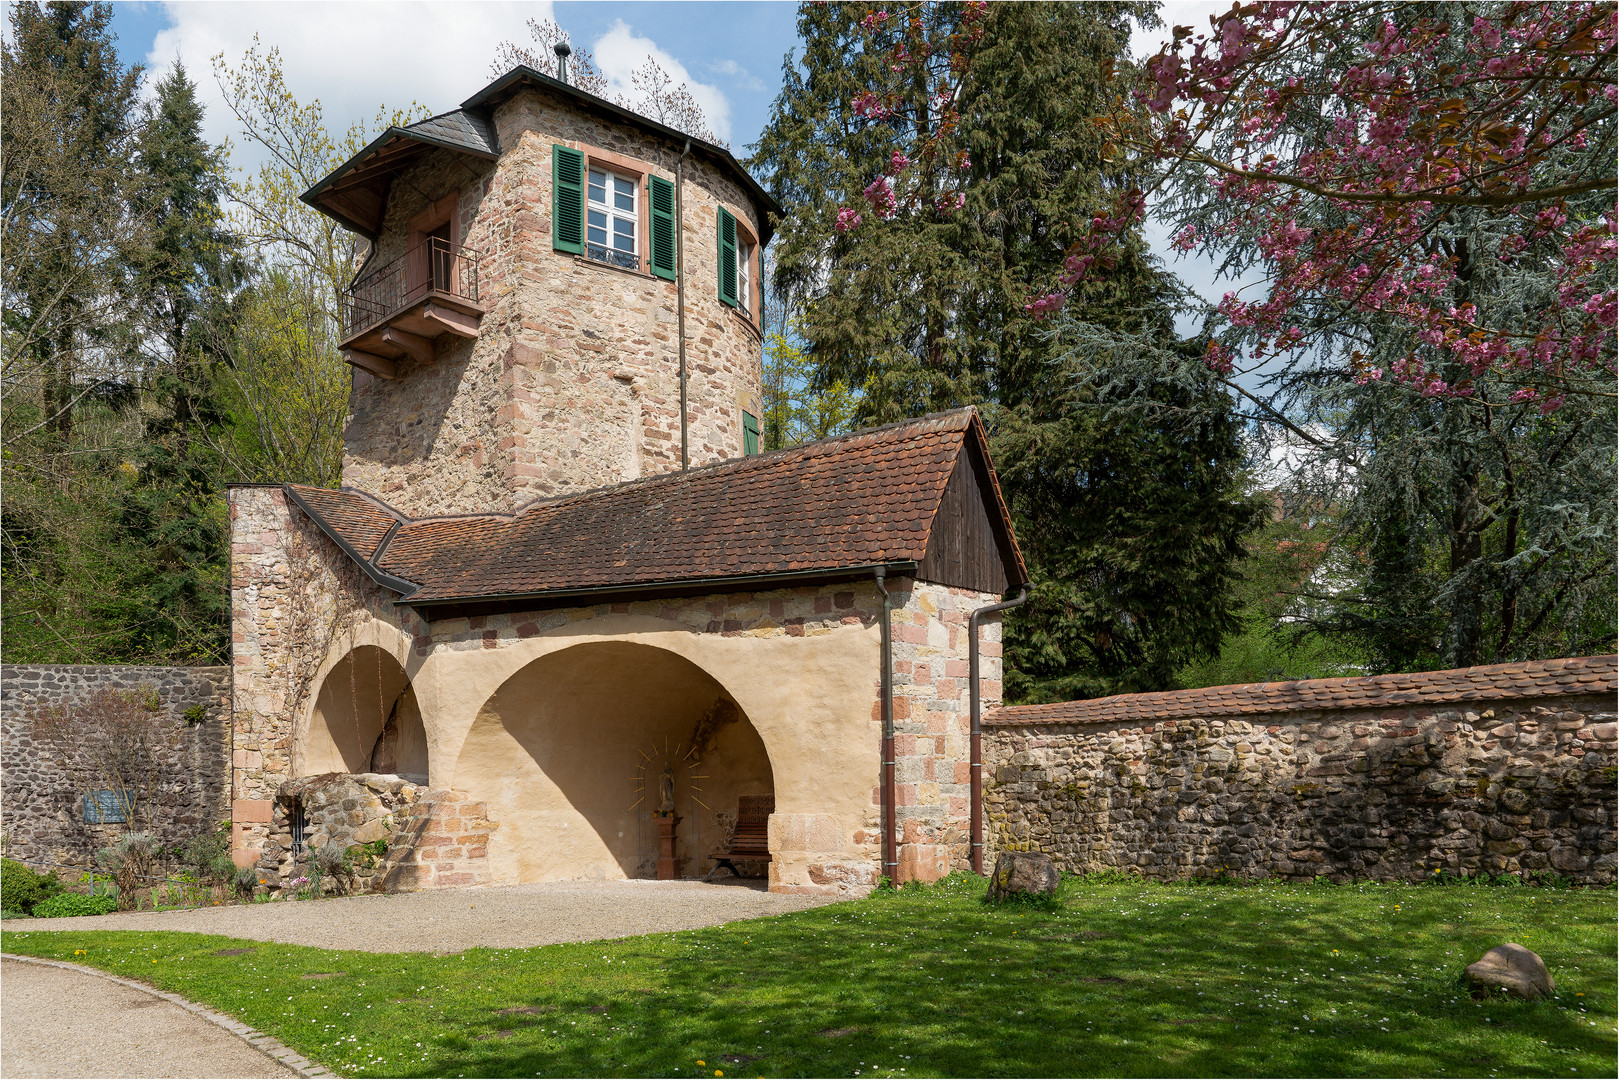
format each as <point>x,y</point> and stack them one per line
<point>297,826</point>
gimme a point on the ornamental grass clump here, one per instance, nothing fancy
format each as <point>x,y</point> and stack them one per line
<point>132,861</point>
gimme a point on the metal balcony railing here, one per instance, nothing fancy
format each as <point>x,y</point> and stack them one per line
<point>435,265</point>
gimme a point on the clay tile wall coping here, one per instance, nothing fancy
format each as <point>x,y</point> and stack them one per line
<point>1585,675</point>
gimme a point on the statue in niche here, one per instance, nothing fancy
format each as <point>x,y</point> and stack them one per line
<point>666,790</point>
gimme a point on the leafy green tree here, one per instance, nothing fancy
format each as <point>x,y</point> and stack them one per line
<point>936,161</point>
<point>72,388</point>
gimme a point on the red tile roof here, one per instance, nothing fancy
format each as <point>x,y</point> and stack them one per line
<point>361,521</point>
<point>1492,682</point>
<point>852,501</point>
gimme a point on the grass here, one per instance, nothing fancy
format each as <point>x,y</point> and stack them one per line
<point>1119,979</point>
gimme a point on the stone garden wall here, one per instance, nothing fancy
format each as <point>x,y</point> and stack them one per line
<point>1503,769</point>
<point>42,796</point>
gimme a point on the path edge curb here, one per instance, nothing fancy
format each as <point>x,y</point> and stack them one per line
<point>270,1047</point>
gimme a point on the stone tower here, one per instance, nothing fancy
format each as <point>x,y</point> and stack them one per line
<point>513,326</point>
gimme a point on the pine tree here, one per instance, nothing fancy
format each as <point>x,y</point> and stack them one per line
<point>1132,523</point>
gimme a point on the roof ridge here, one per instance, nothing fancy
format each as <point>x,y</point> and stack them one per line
<point>751,461</point>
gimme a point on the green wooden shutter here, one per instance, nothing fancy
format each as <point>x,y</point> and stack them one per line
<point>567,200</point>
<point>727,258</point>
<point>662,197</point>
<point>750,433</point>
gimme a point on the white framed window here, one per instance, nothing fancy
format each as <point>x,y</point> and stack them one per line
<point>744,274</point>
<point>611,219</point>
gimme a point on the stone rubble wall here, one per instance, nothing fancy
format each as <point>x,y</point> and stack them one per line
<point>41,797</point>
<point>429,838</point>
<point>1387,794</point>
<point>573,380</point>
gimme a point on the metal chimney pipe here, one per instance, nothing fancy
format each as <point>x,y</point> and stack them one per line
<point>563,51</point>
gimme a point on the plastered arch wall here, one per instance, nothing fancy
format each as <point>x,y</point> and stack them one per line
<point>810,699</point>
<point>556,754</point>
<point>364,676</point>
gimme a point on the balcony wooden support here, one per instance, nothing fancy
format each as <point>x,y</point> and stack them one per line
<point>415,346</point>
<point>455,322</point>
<point>371,364</point>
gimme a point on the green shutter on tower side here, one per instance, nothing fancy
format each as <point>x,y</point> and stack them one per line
<point>750,433</point>
<point>727,243</point>
<point>567,200</point>
<point>662,199</point>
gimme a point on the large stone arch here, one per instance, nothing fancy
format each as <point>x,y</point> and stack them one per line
<point>566,756</point>
<point>363,718</point>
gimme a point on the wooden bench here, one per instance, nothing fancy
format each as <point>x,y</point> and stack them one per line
<point>750,840</point>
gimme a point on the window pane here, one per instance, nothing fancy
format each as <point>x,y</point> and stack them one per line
<point>598,227</point>
<point>623,193</point>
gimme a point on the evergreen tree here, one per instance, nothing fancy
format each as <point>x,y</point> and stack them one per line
<point>1132,522</point>
<point>172,520</point>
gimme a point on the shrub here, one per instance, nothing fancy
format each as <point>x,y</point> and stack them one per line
<point>207,856</point>
<point>131,860</point>
<point>21,888</point>
<point>67,904</point>
<point>245,881</point>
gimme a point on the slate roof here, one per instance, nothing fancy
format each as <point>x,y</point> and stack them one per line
<point>1492,682</point>
<point>459,130</point>
<point>855,501</point>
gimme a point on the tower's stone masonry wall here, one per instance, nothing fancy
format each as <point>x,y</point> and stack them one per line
<point>573,380</point>
<point>43,810</point>
<point>298,604</point>
<point>1395,794</point>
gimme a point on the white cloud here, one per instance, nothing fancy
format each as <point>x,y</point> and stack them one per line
<point>353,57</point>
<point>620,51</point>
<point>738,72</point>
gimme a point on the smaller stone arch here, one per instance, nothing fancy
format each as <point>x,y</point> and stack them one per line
<point>365,719</point>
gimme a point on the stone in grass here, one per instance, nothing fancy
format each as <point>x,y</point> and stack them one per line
<point>1512,968</point>
<point>1022,873</point>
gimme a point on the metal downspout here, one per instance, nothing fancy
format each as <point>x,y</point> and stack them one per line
<point>680,294</point>
<point>890,848</point>
<point>977,773</point>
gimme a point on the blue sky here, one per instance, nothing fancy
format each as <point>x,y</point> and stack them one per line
<point>730,53</point>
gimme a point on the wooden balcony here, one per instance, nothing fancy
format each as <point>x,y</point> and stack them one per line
<point>404,308</point>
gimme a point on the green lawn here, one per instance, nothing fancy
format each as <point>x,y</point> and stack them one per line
<point>1122,980</point>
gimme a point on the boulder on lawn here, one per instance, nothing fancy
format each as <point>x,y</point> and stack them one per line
<point>1022,873</point>
<point>1514,969</point>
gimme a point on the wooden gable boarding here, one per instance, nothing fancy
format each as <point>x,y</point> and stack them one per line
<point>970,545</point>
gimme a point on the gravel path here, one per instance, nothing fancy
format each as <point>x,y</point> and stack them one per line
<point>450,920</point>
<point>65,1023</point>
